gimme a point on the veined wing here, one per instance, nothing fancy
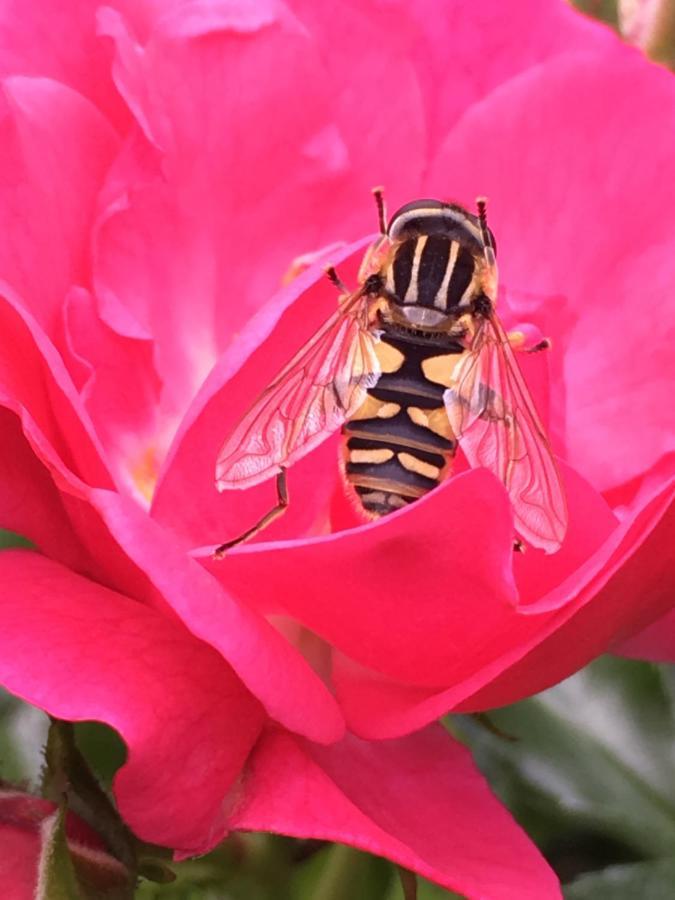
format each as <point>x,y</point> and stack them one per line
<point>493,415</point>
<point>316,392</point>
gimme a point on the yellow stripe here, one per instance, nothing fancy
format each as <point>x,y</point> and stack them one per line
<point>440,300</point>
<point>381,455</point>
<point>413,464</point>
<point>435,420</point>
<point>411,293</point>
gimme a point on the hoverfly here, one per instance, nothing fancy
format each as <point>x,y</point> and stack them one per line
<point>412,363</point>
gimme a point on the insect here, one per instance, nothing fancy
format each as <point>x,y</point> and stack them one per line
<point>413,363</point>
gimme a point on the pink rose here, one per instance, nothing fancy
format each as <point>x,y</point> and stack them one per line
<point>163,165</point>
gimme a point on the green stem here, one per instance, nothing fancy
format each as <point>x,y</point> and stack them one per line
<point>68,773</point>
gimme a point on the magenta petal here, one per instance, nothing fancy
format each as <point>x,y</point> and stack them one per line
<point>419,801</point>
<point>35,384</point>
<point>534,126</point>
<point>129,551</point>
<point>55,149</point>
<point>275,672</point>
<point>656,642</point>
<point>81,651</point>
<point>635,586</point>
<point>395,606</point>
<point>628,583</point>
<point>191,251</point>
<point>120,391</point>
<point>18,860</point>
<point>507,39</point>
<point>60,42</point>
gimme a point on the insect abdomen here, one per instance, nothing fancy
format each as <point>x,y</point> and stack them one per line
<point>399,445</point>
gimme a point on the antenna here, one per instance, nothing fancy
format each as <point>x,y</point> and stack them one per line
<point>378,193</point>
<point>488,247</point>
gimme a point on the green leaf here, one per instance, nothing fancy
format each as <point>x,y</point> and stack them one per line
<point>103,748</point>
<point>9,539</point>
<point>594,757</point>
<point>654,880</point>
<point>56,873</point>
<point>605,10</point>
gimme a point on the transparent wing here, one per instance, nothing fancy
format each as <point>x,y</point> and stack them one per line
<point>319,389</point>
<point>493,415</point>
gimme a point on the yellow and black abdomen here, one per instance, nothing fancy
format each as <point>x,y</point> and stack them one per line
<point>399,445</point>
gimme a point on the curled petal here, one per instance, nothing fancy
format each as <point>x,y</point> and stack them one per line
<point>419,801</point>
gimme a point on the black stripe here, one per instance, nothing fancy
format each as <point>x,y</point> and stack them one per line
<point>408,385</point>
<point>392,471</point>
<point>461,277</point>
<point>433,265</point>
<point>400,431</point>
<point>368,443</point>
<point>403,263</point>
<point>408,391</point>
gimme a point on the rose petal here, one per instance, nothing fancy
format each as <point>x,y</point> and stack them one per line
<point>130,552</point>
<point>166,248</point>
<point>410,586</point>
<point>171,697</point>
<point>491,44</point>
<point>419,801</point>
<point>120,391</point>
<point>656,642</point>
<point>55,149</point>
<point>629,583</point>
<point>19,861</point>
<point>535,126</point>
<point>35,384</point>
<point>63,47</point>
<point>269,666</point>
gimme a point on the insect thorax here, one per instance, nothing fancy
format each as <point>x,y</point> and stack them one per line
<point>432,277</point>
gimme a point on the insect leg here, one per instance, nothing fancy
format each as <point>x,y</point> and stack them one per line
<point>267,519</point>
<point>334,278</point>
<point>543,344</point>
<point>518,341</point>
